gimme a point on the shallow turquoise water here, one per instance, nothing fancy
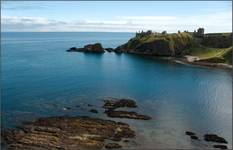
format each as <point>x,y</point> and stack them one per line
<point>39,78</point>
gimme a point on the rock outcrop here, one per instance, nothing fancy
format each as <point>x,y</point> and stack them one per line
<point>96,48</point>
<point>220,146</point>
<point>112,104</point>
<point>67,133</point>
<point>112,146</point>
<point>214,138</point>
<point>126,114</point>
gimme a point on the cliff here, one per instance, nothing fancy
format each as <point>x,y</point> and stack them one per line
<point>214,48</point>
<point>158,44</point>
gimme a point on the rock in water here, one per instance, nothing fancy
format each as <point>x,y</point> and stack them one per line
<point>126,114</point>
<point>214,138</point>
<point>96,48</point>
<point>72,49</point>
<point>93,111</point>
<point>194,137</point>
<point>67,133</point>
<point>114,103</point>
<point>189,133</point>
<point>112,146</point>
<point>220,146</point>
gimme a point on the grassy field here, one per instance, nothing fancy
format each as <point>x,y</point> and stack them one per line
<point>207,52</point>
<point>215,55</point>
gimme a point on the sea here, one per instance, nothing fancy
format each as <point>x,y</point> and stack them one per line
<point>40,79</point>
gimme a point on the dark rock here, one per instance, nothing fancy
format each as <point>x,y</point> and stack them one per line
<point>112,146</point>
<point>72,49</point>
<point>109,49</point>
<point>93,111</point>
<point>117,103</point>
<point>214,138</point>
<point>189,133</point>
<point>113,103</point>
<point>118,51</point>
<point>220,146</point>
<point>194,137</point>
<point>68,133</point>
<point>126,114</point>
<point>158,47</point>
<point>89,105</point>
<point>97,48</point>
<point>115,138</point>
<point>126,141</point>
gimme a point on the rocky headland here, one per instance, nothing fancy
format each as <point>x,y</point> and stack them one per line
<point>197,48</point>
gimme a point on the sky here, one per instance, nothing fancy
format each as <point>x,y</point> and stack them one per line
<point>115,16</point>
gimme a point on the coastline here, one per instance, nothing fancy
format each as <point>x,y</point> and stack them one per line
<point>184,61</point>
<point>202,64</point>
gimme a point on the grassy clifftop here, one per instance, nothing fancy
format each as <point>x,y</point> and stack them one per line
<point>214,55</point>
<point>211,47</point>
<point>159,44</point>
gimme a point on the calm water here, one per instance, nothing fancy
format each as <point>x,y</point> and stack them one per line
<point>39,78</point>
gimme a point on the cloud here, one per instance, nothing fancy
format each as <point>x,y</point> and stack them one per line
<point>21,5</point>
<point>214,22</point>
<point>155,18</point>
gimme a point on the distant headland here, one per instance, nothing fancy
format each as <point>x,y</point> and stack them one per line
<point>198,48</point>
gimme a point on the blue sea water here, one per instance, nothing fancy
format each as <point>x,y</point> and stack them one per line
<point>39,78</point>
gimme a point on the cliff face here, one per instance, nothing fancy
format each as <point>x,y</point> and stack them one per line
<point>176,44</point>
<point>159,44</point>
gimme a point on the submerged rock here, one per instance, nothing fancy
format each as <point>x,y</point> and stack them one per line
<point>113,103</point>
<point>189,133</point>
<point>112,146</point>
<point>194,137</point>
<point>220,146</point>
<point>93,111</point>
<point>97,48</point>
<point>67,133</point>
<point>117,103</point>
<point>214,138</point>
<point>126,141</point>
<point>126,114</point>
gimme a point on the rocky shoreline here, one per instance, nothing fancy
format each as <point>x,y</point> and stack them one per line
<point>68,133</point>
<point>203,64</point>
<point>86,133</point>
<point>74,133</point>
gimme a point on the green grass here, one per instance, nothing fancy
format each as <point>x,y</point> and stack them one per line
<point>207,52</point>
<point>213,55</point>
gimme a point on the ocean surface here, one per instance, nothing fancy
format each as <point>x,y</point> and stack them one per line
<point>39,78</point>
